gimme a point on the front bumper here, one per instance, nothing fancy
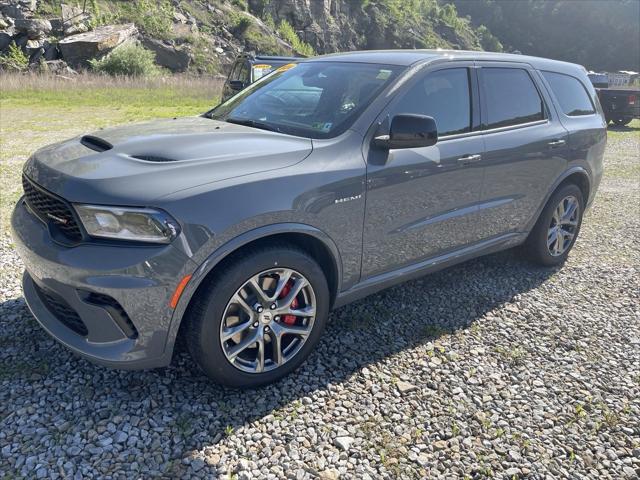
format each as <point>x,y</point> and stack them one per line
<point>109,303</point>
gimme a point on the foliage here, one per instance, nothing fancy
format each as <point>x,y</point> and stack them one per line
<point>488,41</point>
<point>289,35</point>
<point>204,59</point>
<point>269,22</point>
<point>49,8</point>
<point>600,35</point>
<point>14,59</point>
<point>239,22</point>
<point>132,60</point>
<point>262,42</point>
<point>154,17</point>
<point>241,4</point>
<point>449,15</point>
<point>416,24</point>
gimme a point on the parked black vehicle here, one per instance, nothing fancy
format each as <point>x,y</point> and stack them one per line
<point>620,105</point>
<point>239,230</point>
<point>248,68</point>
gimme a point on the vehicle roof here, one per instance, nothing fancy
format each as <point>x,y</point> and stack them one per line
<point>409,57</point>
<point>271,58</point>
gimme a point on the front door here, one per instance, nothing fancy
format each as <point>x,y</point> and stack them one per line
<point>420,200</point>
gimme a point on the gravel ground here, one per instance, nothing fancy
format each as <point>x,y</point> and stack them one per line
<point>493,368</point>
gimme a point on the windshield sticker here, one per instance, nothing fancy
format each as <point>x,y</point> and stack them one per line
<point>260,70</point>
<point>383,74</point>
<point>286,67</point>
<point>322,126</point>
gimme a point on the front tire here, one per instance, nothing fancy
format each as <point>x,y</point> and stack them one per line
<point>259,318</point>
<point>557,228</point>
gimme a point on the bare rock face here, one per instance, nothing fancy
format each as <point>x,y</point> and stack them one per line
<point>5,22</point>
<point>328,25</point>
<point>59,67</point>
<point>78,49</point>
<point>6,37</point>
<point>176,59</point>
<point>18,8</point>
<point>34,27</point>
<point>74,20</point>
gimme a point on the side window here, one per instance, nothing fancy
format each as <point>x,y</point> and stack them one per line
<point>235,70</point>
<point>443,95</point>
<point>244,75</point>
<point>511,97</point>
<point>571,94</point>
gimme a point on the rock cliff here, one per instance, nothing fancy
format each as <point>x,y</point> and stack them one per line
<point>205,36</point>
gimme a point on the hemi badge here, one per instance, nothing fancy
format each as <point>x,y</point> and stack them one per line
<point>347,199</point>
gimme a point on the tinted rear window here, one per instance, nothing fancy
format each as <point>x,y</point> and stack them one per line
<point>511,97</point>
<point>571,94</point>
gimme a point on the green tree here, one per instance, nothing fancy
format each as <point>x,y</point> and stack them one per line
<point>14,59</point>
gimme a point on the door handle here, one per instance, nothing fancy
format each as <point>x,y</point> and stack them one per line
<point>470,159</point>
<point>556,143</point>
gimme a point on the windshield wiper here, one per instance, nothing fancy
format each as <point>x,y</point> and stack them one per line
<point>253,123</point>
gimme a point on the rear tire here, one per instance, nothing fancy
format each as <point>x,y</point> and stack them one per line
<point>621,122</point>
<point>557,228</point>
<point>232,300</point>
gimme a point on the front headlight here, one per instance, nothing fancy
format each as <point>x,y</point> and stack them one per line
<point>122,223</point>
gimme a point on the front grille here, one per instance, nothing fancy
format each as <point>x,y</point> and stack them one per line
<point>51,209</point>
<point>62,311</point>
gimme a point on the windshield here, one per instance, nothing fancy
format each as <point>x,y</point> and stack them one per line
<point>313,100</point>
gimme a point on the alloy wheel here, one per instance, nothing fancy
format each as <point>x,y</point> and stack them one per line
<point>268,320</point>
<point>563,226</point>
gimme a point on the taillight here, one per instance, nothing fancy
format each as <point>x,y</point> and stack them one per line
<point>632,100</point>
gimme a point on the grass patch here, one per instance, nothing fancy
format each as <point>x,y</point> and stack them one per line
<point>134,99</point>
<point>514,356</point>
<point>39,110</point>
<point>619,133</point>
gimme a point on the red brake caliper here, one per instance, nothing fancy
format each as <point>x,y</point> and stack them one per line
<point>289,319</point>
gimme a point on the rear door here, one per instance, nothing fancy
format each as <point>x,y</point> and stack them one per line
<point>525,147</point>
<point>579,112</point>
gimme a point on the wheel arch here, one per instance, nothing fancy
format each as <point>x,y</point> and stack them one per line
<point>309,239</point>
<point>579,178</point>
<point>576,175</point>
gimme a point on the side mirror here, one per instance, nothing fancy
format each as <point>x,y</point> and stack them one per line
<point>236,85</point>
<point>409,131</point>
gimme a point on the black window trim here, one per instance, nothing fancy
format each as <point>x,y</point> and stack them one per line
<point>555,97</point>
<point>483,100</point>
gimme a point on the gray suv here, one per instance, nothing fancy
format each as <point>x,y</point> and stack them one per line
<point>323,182</point>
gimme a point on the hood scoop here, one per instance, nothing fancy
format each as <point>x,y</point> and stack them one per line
<point>96,144</point>
<point>153,158</point>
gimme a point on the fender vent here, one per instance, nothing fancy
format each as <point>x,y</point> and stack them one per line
<point>95,143</point>
<point>153,158</point>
